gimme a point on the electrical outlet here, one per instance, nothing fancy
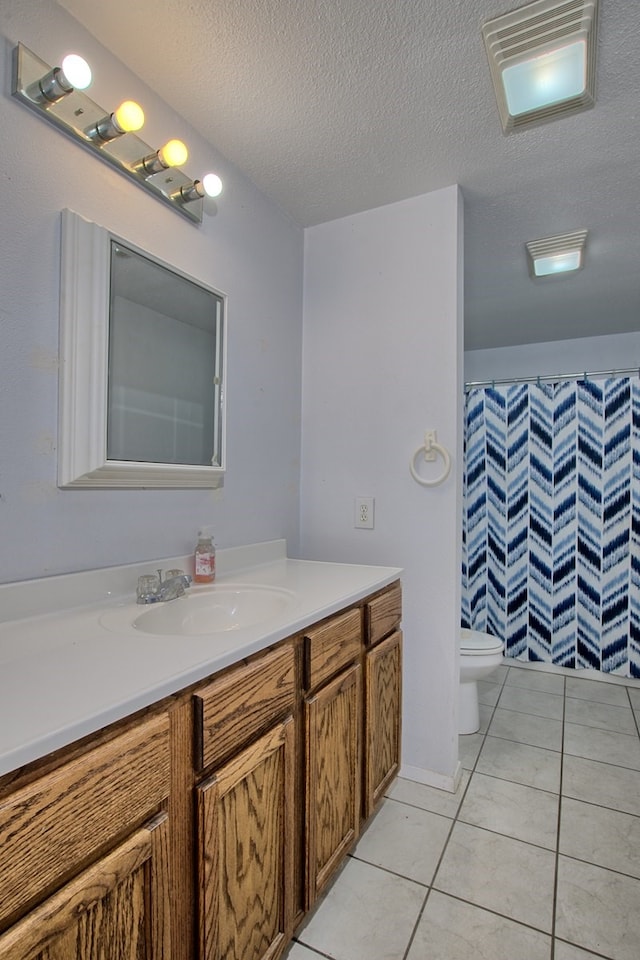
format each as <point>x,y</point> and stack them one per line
<point>364,507</point>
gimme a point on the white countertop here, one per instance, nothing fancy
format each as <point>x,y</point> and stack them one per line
<point>65,674</point>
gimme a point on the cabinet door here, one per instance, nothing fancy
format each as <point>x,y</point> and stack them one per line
<point>54,827</point>
<point>333,722</point>
<point>383,706</point>
<point>118,908</point>
<point>245,851</point>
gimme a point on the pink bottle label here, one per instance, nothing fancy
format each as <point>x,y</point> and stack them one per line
<point>204,565</point>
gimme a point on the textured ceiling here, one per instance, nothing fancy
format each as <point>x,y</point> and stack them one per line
<point>336,106</point>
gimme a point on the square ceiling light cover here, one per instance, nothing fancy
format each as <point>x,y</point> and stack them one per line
<point>543,60</point>
<point>555,255</point>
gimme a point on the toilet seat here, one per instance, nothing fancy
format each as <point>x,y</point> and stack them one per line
<point>476,644</point>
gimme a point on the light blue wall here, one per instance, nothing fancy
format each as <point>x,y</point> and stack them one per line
<point>383,364</point>
<point>248,249</point>
<point>559,356</point>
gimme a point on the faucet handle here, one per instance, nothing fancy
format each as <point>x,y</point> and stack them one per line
<point>148,588</point>
<point>179,575</point>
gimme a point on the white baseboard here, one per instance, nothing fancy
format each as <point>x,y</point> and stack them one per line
<point>432,779</point>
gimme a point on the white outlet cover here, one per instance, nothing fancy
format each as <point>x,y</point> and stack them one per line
<point>364,508</point>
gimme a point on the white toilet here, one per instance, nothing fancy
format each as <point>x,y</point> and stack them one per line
<point>480,653</point>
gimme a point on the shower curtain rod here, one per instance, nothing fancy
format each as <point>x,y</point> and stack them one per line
<point>552,377</point>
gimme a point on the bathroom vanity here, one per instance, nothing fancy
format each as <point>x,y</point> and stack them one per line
<point>205,821</point>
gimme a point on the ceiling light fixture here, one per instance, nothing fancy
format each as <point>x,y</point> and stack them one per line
<point>542,59</point>
<point>554,255</point>
<point>56,94</point>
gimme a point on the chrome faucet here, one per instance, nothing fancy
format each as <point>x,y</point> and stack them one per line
<point>153,589</point>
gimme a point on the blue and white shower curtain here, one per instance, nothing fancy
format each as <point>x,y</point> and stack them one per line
<point>551,521</point>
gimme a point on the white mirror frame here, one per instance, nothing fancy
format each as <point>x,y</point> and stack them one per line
<point>84,353</point>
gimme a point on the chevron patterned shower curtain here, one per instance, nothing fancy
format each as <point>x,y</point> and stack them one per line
<point>551,521</point>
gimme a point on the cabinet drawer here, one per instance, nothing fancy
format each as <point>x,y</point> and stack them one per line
<point>383,613</point>
<point>55,826</point>
<point>331,646</point>
<point>230,711</point>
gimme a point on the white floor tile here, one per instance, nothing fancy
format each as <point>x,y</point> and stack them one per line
<point>605,837</point>
<point>429,798</point>
<point>521,763</point>
<point>602,783</point>
<point>537,680</point>
<point>298,952</point>
<point>597,690</point>
<point>452,930</point>
<point>405,840</point>
<point>367,913</point>
<point>485,712</point>
<point>531,701</point>
<point>566,951</point>
<point>469,745</point>
<point>527,728</point>
<point>512,809</point>
<point>598,909</point>
<point>507,876</point>
<point>604,715</point>
<point>604,745</point>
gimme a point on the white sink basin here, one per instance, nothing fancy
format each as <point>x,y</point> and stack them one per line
<point>221,608</point>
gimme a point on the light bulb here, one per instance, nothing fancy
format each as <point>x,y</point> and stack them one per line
<point>212,185</point>
<point>129,116</point>
<point>173,154</point>
<point>77,71</point>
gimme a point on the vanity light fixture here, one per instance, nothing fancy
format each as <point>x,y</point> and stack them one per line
<point>542,59</point>
<point>56,95</point>
<point>555,255</point>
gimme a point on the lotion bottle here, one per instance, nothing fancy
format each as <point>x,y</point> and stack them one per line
<point>205,559</point>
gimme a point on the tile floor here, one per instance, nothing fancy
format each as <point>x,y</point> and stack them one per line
<point>537,855</point>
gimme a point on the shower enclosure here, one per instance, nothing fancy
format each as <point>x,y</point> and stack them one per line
<point>551,520</point>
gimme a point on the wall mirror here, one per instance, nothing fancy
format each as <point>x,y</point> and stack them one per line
<point>142,351</point>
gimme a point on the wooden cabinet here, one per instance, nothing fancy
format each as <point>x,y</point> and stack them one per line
<point>241,703</point>
<point>333,747</point>
<point>116,908</point>
<point>204,827</point>
<point>383,694</point>
<point>333,758</point>
<point>246,810</point>
<point>383,613</point>
<point>331,646</point>
<point>383,691</point>
<point>245,848</point>
<point>85,854</point>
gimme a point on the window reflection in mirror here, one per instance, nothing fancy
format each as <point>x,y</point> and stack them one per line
<point>164,367</point>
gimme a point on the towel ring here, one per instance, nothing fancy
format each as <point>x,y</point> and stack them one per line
<point>428,446</point>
